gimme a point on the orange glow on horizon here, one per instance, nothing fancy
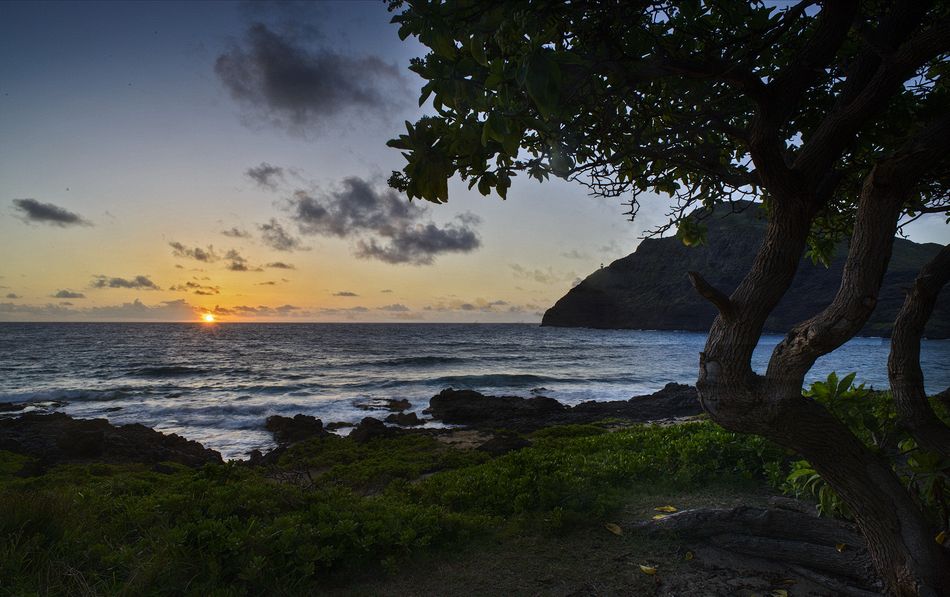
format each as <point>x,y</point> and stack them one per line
<point>208,318</point>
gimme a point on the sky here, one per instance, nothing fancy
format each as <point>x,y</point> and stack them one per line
<point>161,161</point>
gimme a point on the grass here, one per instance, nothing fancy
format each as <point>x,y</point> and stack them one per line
<point>235,530</point>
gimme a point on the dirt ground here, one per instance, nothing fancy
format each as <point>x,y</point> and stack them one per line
<point>591,560</point>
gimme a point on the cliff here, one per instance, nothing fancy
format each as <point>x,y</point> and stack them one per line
<point>649,288</point>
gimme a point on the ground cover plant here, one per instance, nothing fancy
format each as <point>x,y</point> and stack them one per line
<point>232,529</point>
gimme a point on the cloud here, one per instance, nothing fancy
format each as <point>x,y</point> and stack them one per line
<point>345,293</point>
<point>196,288</point>
<point>275,237</point>
<point>236,232</point>
<point>47,213</point>
<point>260,311</point>
<point>265,175</point>
<point>178,310</point>
<point>575,254</point>
<point>280,265</point>
<point>285,82</point>
<point>388,227</point>
<point>207,255</point>
<point>238,263</point>
<point>545,276</point>
<point>394,308</point>
<point>386,291</point>
<point>68,294</point>
<point>12,295</point>
<point>138,282</point>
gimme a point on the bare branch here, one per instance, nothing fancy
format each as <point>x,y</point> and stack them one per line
<point>712,294</point>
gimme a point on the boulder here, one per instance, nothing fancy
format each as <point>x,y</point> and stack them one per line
<point>287,430</point>
<point>370,429</point>
<point>405,419</point>
<point>468,407</point>
<point>56,437</point>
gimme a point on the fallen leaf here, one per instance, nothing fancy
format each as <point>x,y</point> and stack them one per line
<point>779,593</point>
<point>651,570</point>
<point>666,509</point>
<point>613,528</point>
<point>689,555</point>
<point>941,537</point>
<point>659,516</point>
<point>840,547</point>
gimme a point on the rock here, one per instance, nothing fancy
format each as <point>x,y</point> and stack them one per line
<point>649,290</point>
<point>55,438</point>
<point>7,407</point>
<point>468,407</point>
<point>370,429</point>
<point>405,419</point>
<point>503,443</point>
<point>337,425</point>
<point>288,430</point>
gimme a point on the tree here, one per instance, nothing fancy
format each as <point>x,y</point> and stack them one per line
<point>835,115</point>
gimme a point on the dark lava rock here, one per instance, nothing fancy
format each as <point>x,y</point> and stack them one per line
<point>467,407</point>
<point>370,429</point>
<point>503,443</point>
<point>405,419</point>
<point>649,289</point>
<point>337,425</point>
<point>56,437</point>
<point>8,407</point>
<point>287,430</point>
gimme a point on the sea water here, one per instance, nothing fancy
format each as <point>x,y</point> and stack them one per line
<point>217,383</point>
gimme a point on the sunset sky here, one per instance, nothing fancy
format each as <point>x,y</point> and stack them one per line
<point>162,160</point>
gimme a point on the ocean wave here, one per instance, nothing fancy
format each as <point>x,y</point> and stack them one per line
<point>497,380</point>
<point>419,361</point>
<point>167,371</point>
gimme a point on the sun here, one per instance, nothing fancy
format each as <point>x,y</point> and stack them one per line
<point>208,318</point>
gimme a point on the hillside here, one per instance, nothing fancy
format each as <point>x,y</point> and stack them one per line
<point>648,289</point>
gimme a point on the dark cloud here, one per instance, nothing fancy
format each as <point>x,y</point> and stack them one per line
<point>32,210</point>
<point>207,255</point>
<point>266,176</point>
<point>261,310</point>
<point>275,237</point>
<point>138,282</point>
<point>388,227</point>
<point>236,232</point>
<point>294,86</point>
<point>238,263</point>
<point>68,294</point>
<point>394,308</point>
<point>280,265</point>
<point>467,307</point>
<point>12,295</point>
<point>200,289</point>
<point>386,291</point>
<point>345,293</point>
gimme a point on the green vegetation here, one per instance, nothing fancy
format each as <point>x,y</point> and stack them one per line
<point>362,508</point>
<point>872,417</point>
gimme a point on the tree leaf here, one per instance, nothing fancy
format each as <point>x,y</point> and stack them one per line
<point>613,528</point>
<point>666,509</point>
<point>651,570</point>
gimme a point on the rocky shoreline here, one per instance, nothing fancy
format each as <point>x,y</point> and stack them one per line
<point>54,438</point>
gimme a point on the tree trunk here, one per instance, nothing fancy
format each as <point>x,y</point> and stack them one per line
<point>900,540</point>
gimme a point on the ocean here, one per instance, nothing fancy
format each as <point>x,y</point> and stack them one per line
<point>217,383</point>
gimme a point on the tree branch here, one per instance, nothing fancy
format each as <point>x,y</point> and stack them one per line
<point>713,295</point>
<point>903,364</point>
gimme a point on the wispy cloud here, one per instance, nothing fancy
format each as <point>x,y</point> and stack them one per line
<point>387,227</point>
<point>276,237</point>
<point>280,265</point>
<point>236,232</point>
<point>345,293</point>
<point>265,175</point>
<point>33,211</point>
<point>196,288</point>
<point>138,282</point>
<point>68,294</point>
<point>207,255</point>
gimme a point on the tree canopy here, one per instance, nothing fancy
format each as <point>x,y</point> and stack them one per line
<point>708,102</point>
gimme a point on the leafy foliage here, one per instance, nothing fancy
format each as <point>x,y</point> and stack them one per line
<point>871,416</point>
<point>631,97</point>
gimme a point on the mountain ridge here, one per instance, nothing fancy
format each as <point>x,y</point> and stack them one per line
<point>649,289</point>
